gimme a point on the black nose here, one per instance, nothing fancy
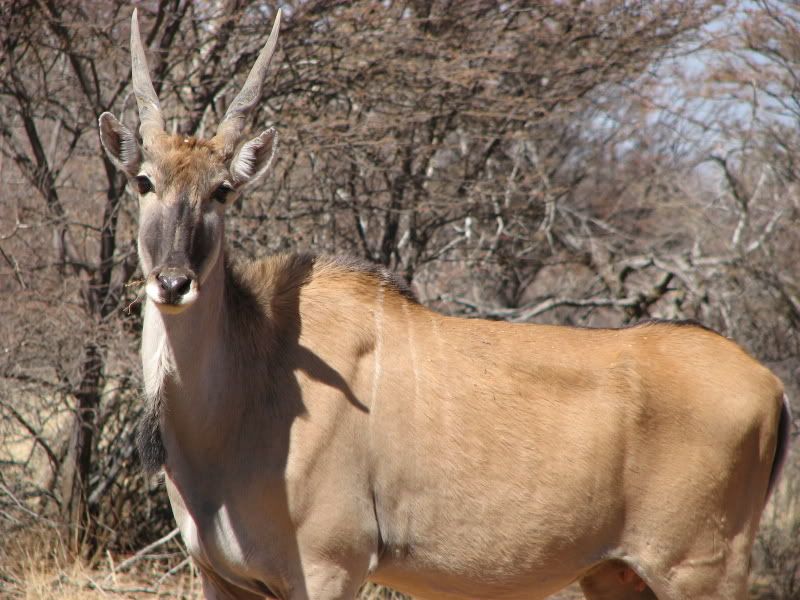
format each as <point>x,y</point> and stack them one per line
<point>173,285</point>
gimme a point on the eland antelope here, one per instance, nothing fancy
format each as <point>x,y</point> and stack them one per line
<point>318,427</point>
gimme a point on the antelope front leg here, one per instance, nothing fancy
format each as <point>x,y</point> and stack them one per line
<point>216,588</point>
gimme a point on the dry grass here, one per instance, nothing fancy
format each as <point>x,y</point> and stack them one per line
<point>45,580</point>
<point>77,582</point>
<point>36,566</point>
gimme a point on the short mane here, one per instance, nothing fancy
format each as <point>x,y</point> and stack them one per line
<point>383,275</point>
<point>283,272</point>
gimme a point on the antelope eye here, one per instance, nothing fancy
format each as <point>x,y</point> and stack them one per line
<point>221,193</point>
<point>143,184</point>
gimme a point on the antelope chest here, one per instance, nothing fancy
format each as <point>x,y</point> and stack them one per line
<point>223,542</point>
<point>208,531</point>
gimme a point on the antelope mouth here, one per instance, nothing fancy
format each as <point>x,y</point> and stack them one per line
<point>172,290</point>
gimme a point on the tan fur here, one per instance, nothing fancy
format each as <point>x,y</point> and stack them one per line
<point>508,462</point>
<point>181,163</point>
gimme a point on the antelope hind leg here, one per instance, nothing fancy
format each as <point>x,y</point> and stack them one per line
<point>615,580</point>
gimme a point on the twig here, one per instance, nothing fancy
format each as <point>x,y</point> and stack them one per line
<point>134,590</point>
<point>36,435</point>
<point>15,266</point>
<point>525,314</point>
<point>19,504</point>
<point>146,550</point>
<point>93,584</point>
<point>173,570</point>
<point>112,566</point>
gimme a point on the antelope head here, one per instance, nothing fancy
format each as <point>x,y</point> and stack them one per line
<point>184,183</point>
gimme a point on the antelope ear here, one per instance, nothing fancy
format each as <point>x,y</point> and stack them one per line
<point>252,160</point>
<point>120,145</point>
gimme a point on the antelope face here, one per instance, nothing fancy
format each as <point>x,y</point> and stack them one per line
<point>183,183</point>
<point>182,192</point>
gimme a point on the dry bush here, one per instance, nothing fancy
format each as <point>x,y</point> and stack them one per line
<point>519,160</point>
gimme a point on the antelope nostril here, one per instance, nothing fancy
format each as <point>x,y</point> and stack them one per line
<point>182,285</point>
<point>174,285</point>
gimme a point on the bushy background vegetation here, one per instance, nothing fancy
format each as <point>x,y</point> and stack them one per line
<point>590,162</point>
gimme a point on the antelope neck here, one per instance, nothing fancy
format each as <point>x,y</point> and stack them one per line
<point>179,352</point>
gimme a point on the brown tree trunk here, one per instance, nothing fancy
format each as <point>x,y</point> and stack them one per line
<point>76,489</point>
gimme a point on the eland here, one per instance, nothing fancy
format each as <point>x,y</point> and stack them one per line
<point>318,427</point>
